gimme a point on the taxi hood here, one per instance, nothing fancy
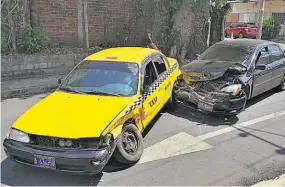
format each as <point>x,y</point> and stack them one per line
<point>69,115</point>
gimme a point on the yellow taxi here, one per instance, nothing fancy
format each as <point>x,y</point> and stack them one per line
<point>99,109</point>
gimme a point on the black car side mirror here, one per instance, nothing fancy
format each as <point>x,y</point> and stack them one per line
<point>260,67</point>
<point>59,81</point>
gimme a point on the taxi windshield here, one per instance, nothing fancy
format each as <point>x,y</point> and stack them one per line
<point>102,78</point>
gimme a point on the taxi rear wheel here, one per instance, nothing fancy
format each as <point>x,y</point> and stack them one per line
<point>171,103</point>
<point>129,147</point>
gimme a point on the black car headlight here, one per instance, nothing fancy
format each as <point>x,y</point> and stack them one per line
<point>19,136</point>
<point>232,89</point>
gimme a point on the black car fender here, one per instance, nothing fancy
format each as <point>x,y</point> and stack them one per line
<point>247,83</point>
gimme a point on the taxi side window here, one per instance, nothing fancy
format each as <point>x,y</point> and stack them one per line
<point>159,65</point>
<point>149,76</point>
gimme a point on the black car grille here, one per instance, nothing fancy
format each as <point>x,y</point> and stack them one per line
<point>217,97</point>
<point>47,141</point>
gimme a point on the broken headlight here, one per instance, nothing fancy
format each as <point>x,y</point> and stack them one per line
<point>232,89</point>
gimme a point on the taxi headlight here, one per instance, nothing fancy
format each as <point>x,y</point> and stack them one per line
<point>232,89</point>
<point>106,140</point>
<point>19,136</point>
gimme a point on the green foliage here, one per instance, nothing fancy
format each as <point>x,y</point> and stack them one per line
<point>33,40</point>
<point>5,43</point>
<point>271,28</point>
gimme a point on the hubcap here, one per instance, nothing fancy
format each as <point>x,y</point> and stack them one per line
<point>130,142</point>
<point>283,83</point>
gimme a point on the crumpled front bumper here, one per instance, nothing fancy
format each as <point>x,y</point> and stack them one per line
<point>70,160</point>
<point>221,103</point>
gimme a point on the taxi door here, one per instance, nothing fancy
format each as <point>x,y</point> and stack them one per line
<point>165,79</point>
<point>150,92</point>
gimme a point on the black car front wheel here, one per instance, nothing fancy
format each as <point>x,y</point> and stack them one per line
<point>129,147</point>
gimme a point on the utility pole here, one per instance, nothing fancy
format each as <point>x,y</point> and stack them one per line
<point>85,15</point>
<point>209,28</point>
<point>260,19</point>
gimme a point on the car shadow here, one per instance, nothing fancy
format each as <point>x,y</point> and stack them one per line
<point>260,97</point>
<point>14,174</point>
<point>200,118</point>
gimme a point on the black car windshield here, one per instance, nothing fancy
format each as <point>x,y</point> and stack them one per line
<point>227,53</point>
<point>103,78</point>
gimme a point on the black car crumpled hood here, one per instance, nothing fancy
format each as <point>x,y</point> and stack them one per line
<point>209,69</point>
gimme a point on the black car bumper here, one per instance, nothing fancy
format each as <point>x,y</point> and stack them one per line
<point>227,106</point>
<point>77,161</point>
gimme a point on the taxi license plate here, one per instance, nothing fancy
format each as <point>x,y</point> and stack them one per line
<point>44,162</point>
<point>206,106</point>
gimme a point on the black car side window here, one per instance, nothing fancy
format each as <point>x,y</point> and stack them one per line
<point>275,53</point>
<point>263,57</point>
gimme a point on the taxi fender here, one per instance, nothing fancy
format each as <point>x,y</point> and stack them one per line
<point>117,131</point>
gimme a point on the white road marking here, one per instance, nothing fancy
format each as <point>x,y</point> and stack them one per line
<point>244,124</point>
<point>178,144</point>
<point>183,143</point>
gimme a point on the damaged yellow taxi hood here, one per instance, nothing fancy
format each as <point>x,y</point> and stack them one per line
<point>69,115</point>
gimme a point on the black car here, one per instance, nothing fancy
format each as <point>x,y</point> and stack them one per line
<point>229,73</point>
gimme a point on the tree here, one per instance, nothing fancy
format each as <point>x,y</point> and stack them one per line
<point>271,28</point>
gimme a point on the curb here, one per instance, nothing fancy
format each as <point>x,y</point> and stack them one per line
<point>7,94</point>
<point>278,181</point>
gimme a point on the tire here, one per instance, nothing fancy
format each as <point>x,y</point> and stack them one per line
<point>240,35</point>
<point>171,103</point>
<point>123,153</point>
<point>281,87</point>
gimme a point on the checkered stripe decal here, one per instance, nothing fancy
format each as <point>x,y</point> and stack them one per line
<point>152,88</point>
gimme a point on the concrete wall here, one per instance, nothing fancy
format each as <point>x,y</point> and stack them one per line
<point>62,19</point>
<point>38,65</point>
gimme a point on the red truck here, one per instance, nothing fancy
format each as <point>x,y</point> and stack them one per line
<point>241,30</point>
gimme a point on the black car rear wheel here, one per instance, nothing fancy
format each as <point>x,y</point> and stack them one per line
<point>129,145</point>
<point>281,87</point>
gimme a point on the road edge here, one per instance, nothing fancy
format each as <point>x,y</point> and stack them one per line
<point>278,181</point>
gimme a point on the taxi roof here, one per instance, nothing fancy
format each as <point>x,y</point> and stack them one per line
<point>122,54</point>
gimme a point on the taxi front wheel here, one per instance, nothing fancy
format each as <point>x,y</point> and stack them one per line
<point>129,147</point>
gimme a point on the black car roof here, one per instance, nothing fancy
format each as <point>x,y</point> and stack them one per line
<point>246,42</point>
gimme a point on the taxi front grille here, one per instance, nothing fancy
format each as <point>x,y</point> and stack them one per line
<point>53,142</point>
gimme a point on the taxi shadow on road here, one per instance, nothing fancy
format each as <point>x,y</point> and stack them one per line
<point>14,174</point>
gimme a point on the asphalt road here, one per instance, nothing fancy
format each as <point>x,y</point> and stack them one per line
<point>181,148</point>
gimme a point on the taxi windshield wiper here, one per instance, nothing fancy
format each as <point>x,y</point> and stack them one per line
<point>102,93</point>
<point>68,89</point>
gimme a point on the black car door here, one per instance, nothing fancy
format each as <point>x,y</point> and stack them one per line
<point>262,78</point>
<point>277,63</point>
